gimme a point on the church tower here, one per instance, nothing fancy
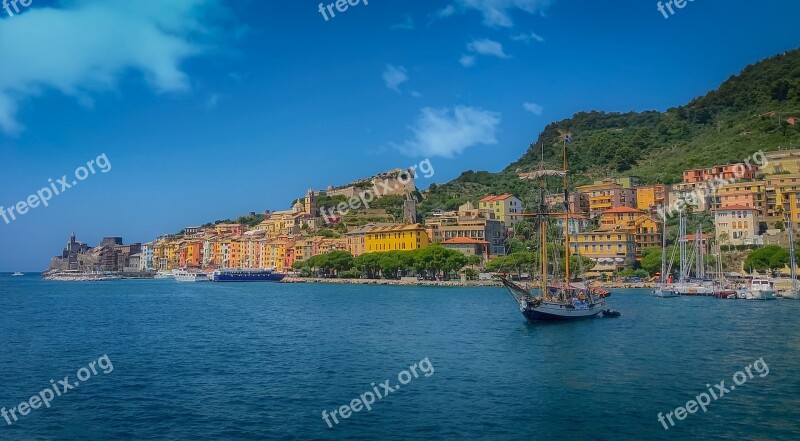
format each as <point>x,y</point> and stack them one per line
<point>311,203</point>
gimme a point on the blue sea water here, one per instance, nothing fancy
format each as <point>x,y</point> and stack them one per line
<point>262,361</point>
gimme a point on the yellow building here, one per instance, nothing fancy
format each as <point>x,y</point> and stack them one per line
<point>612,250</point>
<point>396,237</point>
<point>791,209</point>
<point>782,161</point>
<point>651,197</point>
<point>506,208</point>
<point>645,228</point>
<point>777,187</point>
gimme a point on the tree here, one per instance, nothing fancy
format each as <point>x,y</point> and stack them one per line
<point>771,256</point>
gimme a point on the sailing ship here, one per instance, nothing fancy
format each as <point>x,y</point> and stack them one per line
<point>560,301</point>
<point>663,290</point>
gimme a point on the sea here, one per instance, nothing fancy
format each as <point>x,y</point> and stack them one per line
<point>163,360</point>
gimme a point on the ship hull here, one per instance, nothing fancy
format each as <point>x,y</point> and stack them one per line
<point>555,312</point>
<point>248,277</point>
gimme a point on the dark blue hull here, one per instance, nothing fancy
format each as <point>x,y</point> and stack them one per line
<point>248,277</point>
<point>536,316</point>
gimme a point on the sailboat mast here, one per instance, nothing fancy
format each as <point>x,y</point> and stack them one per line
<point>792,262</point>
<point>566,226</point>
<point>543,225</point>
<point>682,243</point>
<point>663,253</point>
<point>700,272</point>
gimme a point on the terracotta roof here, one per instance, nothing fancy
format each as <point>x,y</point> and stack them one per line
<point>464,240</point>
<point>621,210</point>
<point>735,207</point>
<point>497,198</point>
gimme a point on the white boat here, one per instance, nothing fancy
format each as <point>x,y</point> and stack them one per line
<point>17,274</point>
<point>191,276</point>
<point>164,275</point>
<point>761,289</point>
<point>693,289</point>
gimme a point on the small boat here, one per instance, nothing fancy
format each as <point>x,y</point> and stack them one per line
<point>164,275</point>
<point>191,276</point>
<point>761,289</point>
<point>17,274</point>
<point>726,294</point>
<point>611,313</point>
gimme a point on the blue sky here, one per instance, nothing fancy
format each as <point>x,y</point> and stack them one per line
<point>209,109</point>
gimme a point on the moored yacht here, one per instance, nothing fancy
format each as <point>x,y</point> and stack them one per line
<point>191,276</point>
<point>761,289</point>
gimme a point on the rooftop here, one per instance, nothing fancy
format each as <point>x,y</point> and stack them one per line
<point>502,197</point>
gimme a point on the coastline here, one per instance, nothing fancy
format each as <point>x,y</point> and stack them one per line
<point>449,283</point>
<point>387,282</point>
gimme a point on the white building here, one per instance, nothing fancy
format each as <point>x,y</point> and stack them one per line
<point>736,225</point>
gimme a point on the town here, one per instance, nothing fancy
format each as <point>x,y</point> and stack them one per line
<point>613,223</point>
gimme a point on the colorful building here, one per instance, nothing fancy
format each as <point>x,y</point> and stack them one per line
<point>396,237</point>
<point>736,225</point>
<point>506,208</point>
<point>645,228</point>
<point>611,250</point>
<point>607,194</point>
<point>652,197</point>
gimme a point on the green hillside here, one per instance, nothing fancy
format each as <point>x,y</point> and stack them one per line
<point>748,112</point>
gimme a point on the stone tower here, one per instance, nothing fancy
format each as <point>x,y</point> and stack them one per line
<point>311,202</point>
<point>410,209</point>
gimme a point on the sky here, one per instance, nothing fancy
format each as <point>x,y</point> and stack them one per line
<point>191,111</point>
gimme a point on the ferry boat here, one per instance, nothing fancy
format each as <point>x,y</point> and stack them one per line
<point>246,275</point>
<point>17,274</point>
<point>191,276</point>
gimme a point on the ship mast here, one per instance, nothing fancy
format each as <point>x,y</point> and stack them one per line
<point>566,225</point>
<point>543,213</point>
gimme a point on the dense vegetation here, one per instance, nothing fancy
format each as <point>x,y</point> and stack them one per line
<point>770,257</point>
<point>748,112</point>
<point>430,262</point>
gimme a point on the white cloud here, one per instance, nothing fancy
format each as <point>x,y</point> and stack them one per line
<point>534,108</point>
<point>487,47</point>
<point>212,101</point>
<point>86,46</point>
<point>467,60</point>
<point>406,25</point>
<point>496,13</point>
<point>527,38</point>
<point>394,76</point>
<point>450,131</point>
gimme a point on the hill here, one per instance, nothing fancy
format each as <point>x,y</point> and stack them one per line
<point>748,112</point>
